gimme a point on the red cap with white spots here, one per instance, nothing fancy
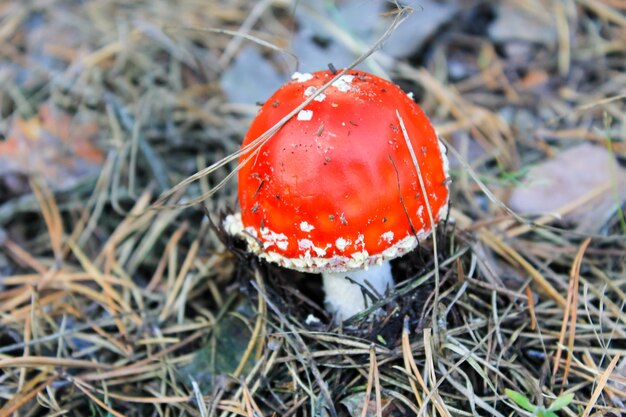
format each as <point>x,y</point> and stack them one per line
<point>336,189</point>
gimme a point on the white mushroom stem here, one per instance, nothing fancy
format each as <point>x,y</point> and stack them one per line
<point>344,299</point>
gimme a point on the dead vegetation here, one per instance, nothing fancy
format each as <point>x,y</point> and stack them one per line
<point>108,307</point>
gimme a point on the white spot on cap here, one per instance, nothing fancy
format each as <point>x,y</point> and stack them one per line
<point>410,94</point>
<point>361,257</point>
<point>304,244</point>
<point>311,319</point>
<point>311,90</point>
<point>307,245</point>
<point>306,227</point>
<point>361,240</point>
<point>300,77</point>
<point>233,225</point>
<point>305,115</point>
<point>273,238</point>
<point>343,83</point>
<point>319,251</point>
<point>387,236</point>
<point>341,244</point>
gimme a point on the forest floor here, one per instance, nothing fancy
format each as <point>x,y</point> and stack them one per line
<point>111,307</point>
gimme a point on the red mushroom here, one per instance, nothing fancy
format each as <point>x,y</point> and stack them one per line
<point>335,190</point>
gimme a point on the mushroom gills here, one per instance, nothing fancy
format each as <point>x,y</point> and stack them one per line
<point>344,299</point>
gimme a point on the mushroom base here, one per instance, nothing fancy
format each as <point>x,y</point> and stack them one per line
<point>344,299</point>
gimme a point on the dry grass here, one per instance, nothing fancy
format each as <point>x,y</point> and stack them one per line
<point>110,308</point>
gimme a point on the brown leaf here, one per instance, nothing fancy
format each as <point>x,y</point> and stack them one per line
<point>584,172</point>
<point>53,145</point>
<point>354,405</point>
<point>534,79</point>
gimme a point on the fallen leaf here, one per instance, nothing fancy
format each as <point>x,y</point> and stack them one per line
<point>534,79</point>
<point>354,405</point>
<point>338,34</point>
<point>516,23</point>
<point>241,82</point>
<point>569,177</point>
<point>427,18</point>
<point>316,43</point>
<point>221,354</point>
<point>54,145</point>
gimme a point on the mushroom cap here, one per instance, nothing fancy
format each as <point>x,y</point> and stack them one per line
<point>336,189</point>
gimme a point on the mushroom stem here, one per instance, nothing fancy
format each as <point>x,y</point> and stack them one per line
<point>344,299</point>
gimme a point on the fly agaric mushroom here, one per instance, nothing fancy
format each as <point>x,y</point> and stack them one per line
<point>335,189</point>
